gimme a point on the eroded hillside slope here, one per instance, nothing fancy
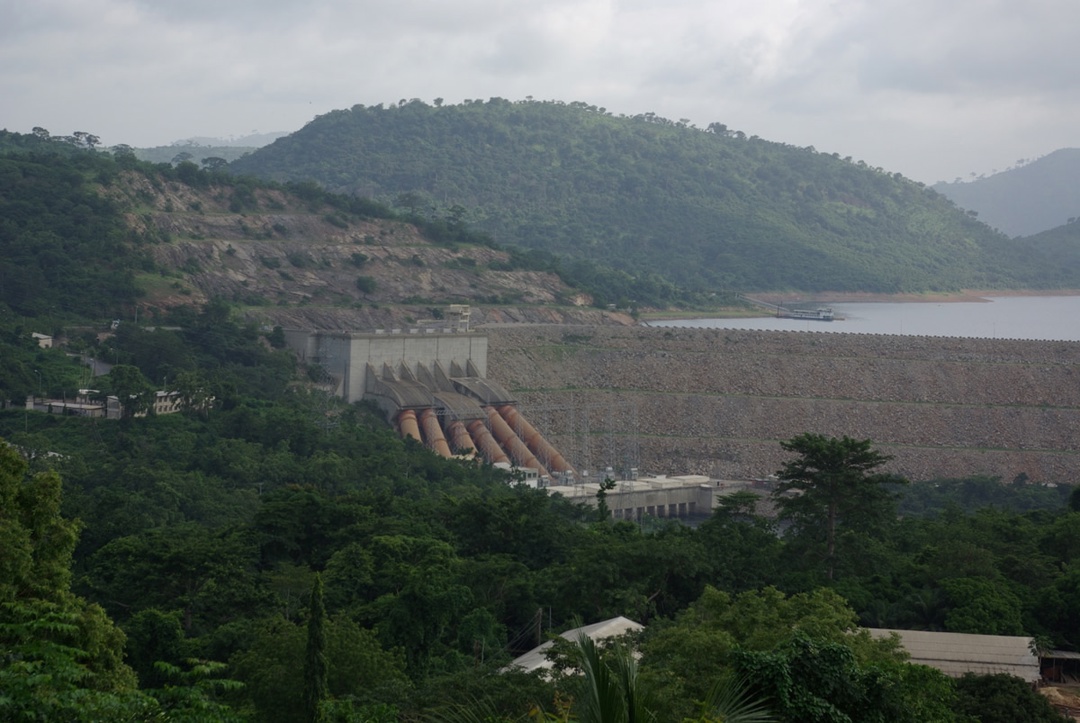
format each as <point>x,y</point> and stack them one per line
<point>300,262</point>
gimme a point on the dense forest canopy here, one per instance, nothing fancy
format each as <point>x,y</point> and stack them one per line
<point>705,209</point>
<point>202,536</point>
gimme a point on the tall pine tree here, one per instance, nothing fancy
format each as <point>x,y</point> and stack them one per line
<point>316,665</point>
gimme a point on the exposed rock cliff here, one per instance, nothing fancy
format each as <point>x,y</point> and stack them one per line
<point>297,263</point>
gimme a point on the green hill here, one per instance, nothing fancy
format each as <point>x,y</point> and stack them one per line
<point>1054,254</point>
<point>89,236</point>
<point>1025,200</point>
<point>706,209</point>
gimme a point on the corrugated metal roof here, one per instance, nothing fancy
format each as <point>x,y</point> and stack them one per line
<point>536,660</point>
<point>1062,655</point>
<point>957,653</point>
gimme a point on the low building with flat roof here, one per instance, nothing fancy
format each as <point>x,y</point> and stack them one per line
<point>678,497</point>
<point>536,659</point>
<point>957,653</point>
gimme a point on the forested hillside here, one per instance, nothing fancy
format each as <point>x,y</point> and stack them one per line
<point>1061,243</point>
<point>1025,200</point>
<point>708,209</point>
<point>64,248</point>
<point>85,233</point>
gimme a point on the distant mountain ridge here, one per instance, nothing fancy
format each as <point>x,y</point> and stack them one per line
<point>1027,200</point>
<point>706,209</point>
<point>199,147</point>
<point>251,140</point>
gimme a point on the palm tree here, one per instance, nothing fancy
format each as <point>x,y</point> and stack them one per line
<point>730,701</point>
<point>611,692</point>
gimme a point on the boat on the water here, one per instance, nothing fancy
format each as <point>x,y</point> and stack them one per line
<point>822,313</point>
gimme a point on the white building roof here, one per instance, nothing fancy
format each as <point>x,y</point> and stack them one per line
<point>957,653</point>
<point>535,659</point>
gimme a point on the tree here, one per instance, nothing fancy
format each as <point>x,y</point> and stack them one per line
<point>131,388</point>
<point>194,389</point>
<point>277,337</point>
<point>365,284</point>
<point>205,575</point>
<point>983,607</point>
<point>603,512</point>
<point>1001,698</point>
<point>214,163</point>
<point>190,692</point>
<point>682,658</point>
<point>86,140</point>
<point>361,675</point>
<point>611,691</point>
<point>315,662</point>
<point>604,686</point>
<point>812,680</point>
<point>830,485</point>
<point>154,637</point>
<point>61,658</point>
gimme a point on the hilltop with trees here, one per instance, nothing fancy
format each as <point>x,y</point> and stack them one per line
<point>88,233</point>
<point>706,209</point>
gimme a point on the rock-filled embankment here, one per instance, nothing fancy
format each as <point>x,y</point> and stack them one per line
<point>719,401</point>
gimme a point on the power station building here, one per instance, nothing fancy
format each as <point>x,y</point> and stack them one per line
<point>433,385</point>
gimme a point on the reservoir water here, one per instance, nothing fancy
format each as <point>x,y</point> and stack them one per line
<point>1045,318</point>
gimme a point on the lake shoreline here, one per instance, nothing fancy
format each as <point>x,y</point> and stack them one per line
<point>851,297</point>
<point>858,297</point>
<point>1016,316</point>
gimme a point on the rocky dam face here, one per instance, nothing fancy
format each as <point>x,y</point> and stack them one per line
<point>718,402</point>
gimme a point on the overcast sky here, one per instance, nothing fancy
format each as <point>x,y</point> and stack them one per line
<point>930,88</point>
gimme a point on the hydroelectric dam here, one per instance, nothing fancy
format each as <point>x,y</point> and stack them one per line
<point>718,401</point>
<point>565,400</point>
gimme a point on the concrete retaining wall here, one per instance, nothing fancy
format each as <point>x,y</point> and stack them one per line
<point>718,401</point>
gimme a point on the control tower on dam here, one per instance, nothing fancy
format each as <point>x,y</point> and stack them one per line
<point>432,384</point>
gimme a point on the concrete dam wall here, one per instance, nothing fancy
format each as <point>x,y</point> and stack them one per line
<point>718,402</point>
